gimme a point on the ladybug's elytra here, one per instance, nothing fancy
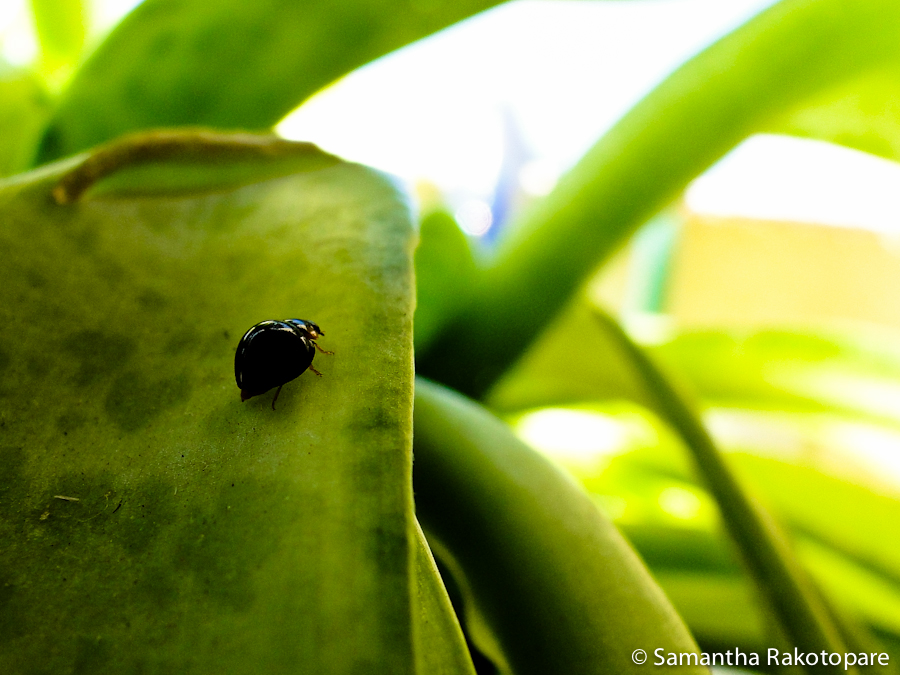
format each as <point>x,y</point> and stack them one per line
<point>272,353</point>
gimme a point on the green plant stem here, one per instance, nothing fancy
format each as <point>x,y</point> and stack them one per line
<point>796,604</point>
<point>176,145</point>
<point>774,63</point>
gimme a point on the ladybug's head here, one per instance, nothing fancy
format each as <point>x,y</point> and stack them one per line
<point>308,327</point>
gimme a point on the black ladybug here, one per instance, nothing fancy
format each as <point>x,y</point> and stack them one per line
<point>272,353</point>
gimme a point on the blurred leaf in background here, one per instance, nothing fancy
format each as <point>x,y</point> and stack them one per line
<point>25,108</point>
<point>61,27</point>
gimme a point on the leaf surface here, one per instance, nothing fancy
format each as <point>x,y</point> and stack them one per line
<point>440,645</point>
<point>151,521</point>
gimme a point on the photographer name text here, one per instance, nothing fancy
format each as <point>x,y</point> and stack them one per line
<point>773,657</point>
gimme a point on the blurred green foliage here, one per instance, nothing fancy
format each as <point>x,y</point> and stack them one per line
<point>61,29</point>
<point>514,330</point>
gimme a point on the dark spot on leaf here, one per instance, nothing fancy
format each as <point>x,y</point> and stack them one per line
<point>110,271</point>
<point>134,400</point>
<point>12,480</point>
<point>12,616</point>
<point>85,239</point>
<point>363,666</point>
<point>70,421</point>
<point>150,299</point>
<point>91,655</point>
<point>145,513</point>
<point>375,418</point>
<point>36,367</point>
<point>6,387</point>
<point>181,342</point>
<point>214,545</point>
<point>387,546</point>
<point>99,354</point>
<point>35,279</point>
<point>160,585</point>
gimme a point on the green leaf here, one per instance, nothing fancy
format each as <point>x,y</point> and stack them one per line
<point>844,523</point>
<point>573,360</point>
<point>151,521</point>
<point>445,273</point>
<point>440,645</point>
<point>861,113</point>
<point>720,609</point>
<point>801,613</point>
<point>61,29</point>
<point>843,535</point>
<point>24,110</point>
<point>735,368</point>
<point>805,618</point>
<point>230,64</point>
<point>853,520</point>
<point>790,371</point>
<point>551,585</point>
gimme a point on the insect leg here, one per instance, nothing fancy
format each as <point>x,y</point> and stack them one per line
<point>321,350</point>
<point>276,396</point>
